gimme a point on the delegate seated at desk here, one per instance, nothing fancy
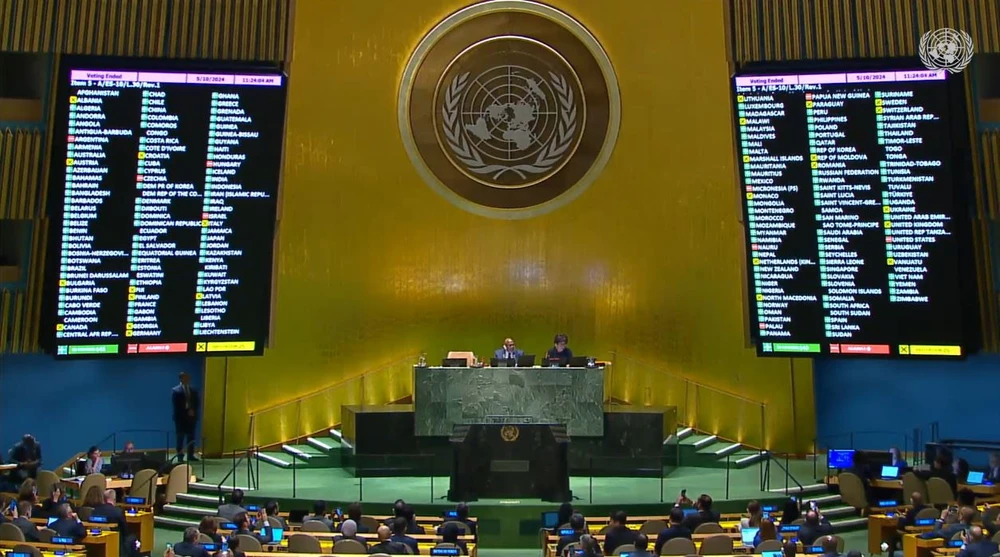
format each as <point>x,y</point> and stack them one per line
<point>68,525</point>
<point>94,463</point>
<point>560,349</point>
<point>23,521</point>
<point>977,545</point>
<point>508,351</point>
<point>190,547</point>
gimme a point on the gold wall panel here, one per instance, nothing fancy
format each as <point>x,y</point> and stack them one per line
<point>20,173</point>
<point>220,29</point>
<point>774,30</point>
<point>373,265</point>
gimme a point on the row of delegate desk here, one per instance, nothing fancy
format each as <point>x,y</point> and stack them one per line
<point>981,491</point>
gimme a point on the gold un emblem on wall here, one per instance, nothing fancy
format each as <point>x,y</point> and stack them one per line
<point>509,108</point>
<point>510,433</point>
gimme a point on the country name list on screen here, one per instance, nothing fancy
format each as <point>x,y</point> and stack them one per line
<point>848,203</point>
<point>168,183</point>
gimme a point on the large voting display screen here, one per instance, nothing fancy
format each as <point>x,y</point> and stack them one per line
<point>163,193</point>
<point>849,203</point>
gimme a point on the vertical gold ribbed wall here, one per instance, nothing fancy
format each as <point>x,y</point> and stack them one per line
<point>243,30</point>
<point>777,30</point>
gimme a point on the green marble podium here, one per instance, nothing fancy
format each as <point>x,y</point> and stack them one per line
<point>447,396</point>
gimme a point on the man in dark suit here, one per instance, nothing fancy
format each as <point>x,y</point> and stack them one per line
<point>190,547</point>
<point>993,474</point>
<point>829,546</point>
<point>243,528</point>
<point>815,527</point>
<point>399,525</point>
<point>945,528</point>
<point>675,530</point>
<point>704,514</point>
<point>976,544</point>
<point>27,454</point>
<point>618,534</point>
<point>68,524</point>
<point>641,546</point>
<point>111,511</point>
<point>233,507</point>
<point>386,545</point>
<point>508,351</point>
<point>916,505</point>
<point>185,399</point>
<point>22,520</point>
<point>579,526</point>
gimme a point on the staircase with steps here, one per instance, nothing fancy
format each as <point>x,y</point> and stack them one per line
<point>202,499</point>
<point>842,517</point>
<point>709,451</point>
<point>316,452</point>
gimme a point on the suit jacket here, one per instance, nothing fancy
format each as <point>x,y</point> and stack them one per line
<point>992,475</point>
<point>808,534</point>
<point>264,540</point>
<point>945,532</point>
<point>180,411</point>
<point>190,550</point>
<point>112,513</point>
<point>69,528</point>
<point>27,527</point>
<point>407,540</point>
<point>985,548</point>
<point>229,511</point>
<point>678,531</point>
<point>619,535</point>
<point>499,354</point>
<point>389,547</point>
<point>695,520</point>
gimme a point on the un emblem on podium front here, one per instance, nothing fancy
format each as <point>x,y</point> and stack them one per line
<point>510,433</point>
<point>509,108</point>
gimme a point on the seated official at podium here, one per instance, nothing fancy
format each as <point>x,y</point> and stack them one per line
<point>508,351</point>
<point>560,350</point>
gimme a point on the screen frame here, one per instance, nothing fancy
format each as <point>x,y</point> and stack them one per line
<point>53,208</point>
<point>962,194</point>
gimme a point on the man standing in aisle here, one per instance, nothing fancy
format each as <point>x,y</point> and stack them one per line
<point>185,399</point>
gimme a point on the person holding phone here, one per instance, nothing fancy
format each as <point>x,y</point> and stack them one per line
<point>815,528</point>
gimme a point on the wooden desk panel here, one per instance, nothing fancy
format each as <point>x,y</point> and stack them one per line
<point>914,546</point>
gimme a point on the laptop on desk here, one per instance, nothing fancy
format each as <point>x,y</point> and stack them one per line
<point>975,478</point>
<point>748,535</point>
<point>890,472</point>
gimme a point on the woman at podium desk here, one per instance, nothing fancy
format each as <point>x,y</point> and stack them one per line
<point>560,350</point>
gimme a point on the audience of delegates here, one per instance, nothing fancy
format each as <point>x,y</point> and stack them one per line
<point>619,533</point>
<point>815,527</point>
<point>68,525</point>
<point>349,531</point>
<point>947,526</point>
<point>676,529</point>
<point>189,546</point>
<point>271,511</point>
<point>754,514</point>
<point>450,534</point>
<point>94,463</point>
<point>993,474</point>
<point>210,527</point>
<point>354,512</point>
<point>641,546</point>
<point>243,528</point>
<point>399,525</point>
<point>386,544</point>
<point>766,532</point>
<point>234,507</point>
<point>978,545</point>
<point>896,459</point>
<point>27,455</point>
<point>319,515</point>
<point>24,523</point>
<point>791,512</point>
<point>704,514</point>
<point>579,526</point>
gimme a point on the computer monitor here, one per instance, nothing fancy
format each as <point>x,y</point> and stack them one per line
<point>555,362</point>
<point>277,534</point>
<point>890,472</point>
<point>840,458</point>
<point>503,362</point>
<point>550,520</point>
<point>748,535</point>
<point>527,360</point>
<point>578,361</point>
<point>771,554</point>
<point>454,362</point>
<point>975,478</point>
<point>127,463</point>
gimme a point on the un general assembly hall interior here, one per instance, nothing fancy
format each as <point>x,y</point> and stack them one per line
<point>499,278</point>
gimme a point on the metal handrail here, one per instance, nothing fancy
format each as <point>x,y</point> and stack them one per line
<point>253,482</point>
